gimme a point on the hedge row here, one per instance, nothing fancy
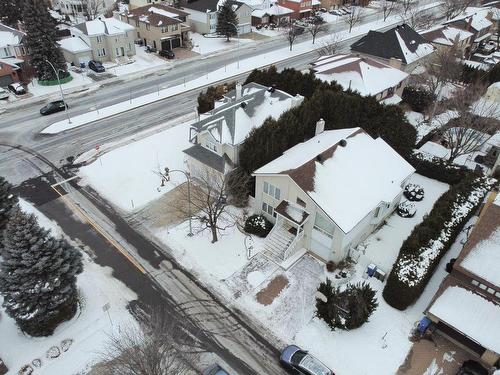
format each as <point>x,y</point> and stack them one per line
<point>430,240</point>
<point>437,168</point>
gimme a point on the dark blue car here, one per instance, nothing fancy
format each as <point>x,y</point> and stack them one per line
<point>301,362</point>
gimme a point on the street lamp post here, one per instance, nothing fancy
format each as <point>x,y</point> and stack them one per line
<point>238,46</point>
<point>60,89</point>
<point>188,177</point>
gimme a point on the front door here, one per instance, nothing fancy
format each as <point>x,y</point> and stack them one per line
<point>122,51</point>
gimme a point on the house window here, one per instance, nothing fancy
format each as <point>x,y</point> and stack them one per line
<point>267,208</point>
<point>301,202</point>
<point>377,212</point>
<point>482,286</point>
<point>175,27</point>
<point>117,52</point>
<point>99,39</point>
<point>148,27</point>
<point>101,52</point>
<point>164,30</point>
<point>272,190</point>
<point>491,290</point>
<point>210,145</point>
<point>129,47</point>
<point>136,23</point>
<point>324,225</point>
<point>475,282</point>
<point>497,294</point>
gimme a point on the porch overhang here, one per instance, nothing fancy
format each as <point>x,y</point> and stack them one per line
<point>292,212</point>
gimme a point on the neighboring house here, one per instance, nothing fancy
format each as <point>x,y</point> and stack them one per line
<point>300,8</point>
<point>9,72</point>
<point>160,26</point>
<point>400,47</point>
<point>12,55</point>
<point>478,22</point>
<point>217,137</point>
<point>466,308</point>
<point>203,15</point>
<point>140,3</point>
<point>275,13</point>
<point>362,74</point>
<point>79,7</point>
<point>103,39</point>
<point>327,194</point>
<point>335,4</point>
<point>446,36</point>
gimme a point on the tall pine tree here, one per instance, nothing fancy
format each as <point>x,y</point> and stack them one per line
<point>41,40</point>
<point>10,12</point>
<point>227,21</point>
<point>37,276</point>
<point>7,200</point>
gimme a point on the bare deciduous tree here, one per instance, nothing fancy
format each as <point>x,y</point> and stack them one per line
<point>452,8</point>
<point>318,26</point>
<point>475,124</point>
<point>92,9</point>
<point>160,345</point>
<point>330,46</point>
<point>353,18</point>
<point>406,5</point>
<point>290,34</point>
<point>417,19</point>
<point>388,7</point>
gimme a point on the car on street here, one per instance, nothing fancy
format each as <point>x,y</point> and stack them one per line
<point>168,54</point>
<point>53,107</point>
<point>471,367</point>
<point>214,370</point>
<point>17,88</point>
<point>4,94</point>
<point>299,361</point>
<point>96,66</point>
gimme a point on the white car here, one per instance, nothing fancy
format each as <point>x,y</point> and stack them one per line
<point>4,94</point>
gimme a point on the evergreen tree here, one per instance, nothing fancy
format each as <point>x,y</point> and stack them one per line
<point>227,21</point>
<point>10,12</point>
<point>41,41</point>
<point>7,201</point>
<point>37,276</point>
<point>361,304</point>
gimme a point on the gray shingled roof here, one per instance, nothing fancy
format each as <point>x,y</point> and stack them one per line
<point>206,157</point>
<point>227,111</point>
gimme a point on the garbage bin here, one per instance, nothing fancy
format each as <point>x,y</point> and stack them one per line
<point>82,65</point>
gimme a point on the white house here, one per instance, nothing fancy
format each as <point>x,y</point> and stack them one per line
<point>327,194</point>
<point>217,137</point>
<point>362,74</point>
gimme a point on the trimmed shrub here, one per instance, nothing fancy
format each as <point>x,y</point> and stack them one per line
<point>430,240</point>
<point>258,225</point>
<point>414,192</point>
<point>438,169</point>
<point>346,309</point>
<point>419,99</point>
<point>406,209</point>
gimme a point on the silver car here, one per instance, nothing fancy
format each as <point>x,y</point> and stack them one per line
<point>301,362</point>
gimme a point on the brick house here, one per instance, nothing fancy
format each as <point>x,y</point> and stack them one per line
<point>300,8</point>
<point>12,55</point>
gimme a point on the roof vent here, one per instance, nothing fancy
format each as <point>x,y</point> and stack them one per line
<point>243,104</point>
<point>319,158</point>
<point>343,142</point>
<point>272,88</point>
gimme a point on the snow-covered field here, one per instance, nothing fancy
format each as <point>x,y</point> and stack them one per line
<point>88,330</point>
<point>204,46</point>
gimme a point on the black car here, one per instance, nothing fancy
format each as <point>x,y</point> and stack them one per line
<point>96,66</point>
<point>167,54</point>
<point>53,107</point>
<point>471,367</point>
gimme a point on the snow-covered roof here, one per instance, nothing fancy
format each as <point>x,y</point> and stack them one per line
<point>275,10</point>
<point>348,181</point>
<point>10,36</point>
<point>102,26</point>
<point>476,16</point>
<point>446,35</point>
<point>74,44</point>
<point>11,62</point>
<point>471,314</point>
<point>157,14</point>
<point>362,74</point>
<point>230,123</point>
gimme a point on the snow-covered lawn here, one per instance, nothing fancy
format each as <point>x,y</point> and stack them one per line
<point>127,175</point>
<point>424,127</point>
<point>78,80</point>
<point>88,330</point>
<point>142,61</point>
<point>204,46</point>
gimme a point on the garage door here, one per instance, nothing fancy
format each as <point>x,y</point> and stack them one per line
<point>321,244</point>
<point>244,29</point>
<point>176,43</point>
<point>84,59</point>
<point>5,80</point>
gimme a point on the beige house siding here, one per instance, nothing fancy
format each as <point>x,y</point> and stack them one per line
<point>76,58</point>
<point>114,45</point>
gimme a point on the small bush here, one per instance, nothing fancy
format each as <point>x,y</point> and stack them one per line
<point>413,192</point>
<point>346,309</point>
<point>406,209</point>
<point>417,98</point>
<point>258,225</point>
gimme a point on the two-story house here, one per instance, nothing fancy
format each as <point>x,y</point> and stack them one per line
<point>447,36</point>
<point>203,15</point>
<point>327,194</point>
<point>466,307</point>
<point>300,8</point>
<point>140,3</point>
<point>400,47</point>
<point>160,26</point>
<point>102,39</point>
<point>12,55</point>
<point>364,75</point>
<point>80,7</point>
<point>218,136</point>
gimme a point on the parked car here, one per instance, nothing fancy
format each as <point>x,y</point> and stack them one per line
<point>471,367</point>
<point>150,49</point>
<point>17,88</point>
<point>4,94</point>
<point>53,107</point>
<point>488,47</point>
<point>96,66</point>
<point>167,54</point>
<point>259,26</point>
<point>214,370</point>
<point>301,362</point>
<point>322,10</point>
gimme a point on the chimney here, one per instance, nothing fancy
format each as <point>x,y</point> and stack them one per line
<point>239,89</point>
<point>296,101</point>
<point>320,127</point>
